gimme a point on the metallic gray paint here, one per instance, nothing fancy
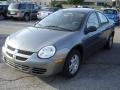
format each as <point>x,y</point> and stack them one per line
<point>33,39</point>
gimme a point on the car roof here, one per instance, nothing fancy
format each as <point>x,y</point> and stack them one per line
<point>84,10</point>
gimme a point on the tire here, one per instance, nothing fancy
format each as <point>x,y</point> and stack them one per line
<point>72,64</point>
<point>2,17</point>
<point>109,43</point>
<point>27,17</point>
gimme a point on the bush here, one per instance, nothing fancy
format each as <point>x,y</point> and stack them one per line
<point>59,5</point>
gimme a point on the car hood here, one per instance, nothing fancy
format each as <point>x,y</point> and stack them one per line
<point>33,39</point>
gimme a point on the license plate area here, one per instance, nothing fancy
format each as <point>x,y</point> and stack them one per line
<point>12,13</point>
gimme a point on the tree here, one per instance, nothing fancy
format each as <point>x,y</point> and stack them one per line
<point>75,2</point>
<point>53,2</point>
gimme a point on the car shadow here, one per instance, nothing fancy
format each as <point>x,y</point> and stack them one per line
<point>101,67</point>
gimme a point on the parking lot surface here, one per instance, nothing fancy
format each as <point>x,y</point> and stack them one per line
<point>101,71</point>
<point>10,26</point>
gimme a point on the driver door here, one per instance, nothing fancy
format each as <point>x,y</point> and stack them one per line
<point>92,40</point>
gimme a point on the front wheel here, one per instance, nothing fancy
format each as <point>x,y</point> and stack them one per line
<point>72,64</point>
<point>26,17</point>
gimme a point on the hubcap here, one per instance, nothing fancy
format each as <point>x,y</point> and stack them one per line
<point>74,64</point>
<point>26,18</point>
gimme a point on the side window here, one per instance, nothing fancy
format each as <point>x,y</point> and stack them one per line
<point>29,6</point>
<point>32,6</point>
<point>93,20</point>
<point>36,7</point>
<point>22,6</point>
<point>102,17</point>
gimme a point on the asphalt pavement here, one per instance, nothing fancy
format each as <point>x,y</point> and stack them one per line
<point>101,71</point>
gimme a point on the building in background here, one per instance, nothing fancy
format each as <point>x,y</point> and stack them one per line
<point>118,3</point>
<point>48,2</point>
<point>99,2</point>
<point>39,2</point>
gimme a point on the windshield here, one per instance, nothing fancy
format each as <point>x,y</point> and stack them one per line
<point>109,11</point>
<point>62,20</point>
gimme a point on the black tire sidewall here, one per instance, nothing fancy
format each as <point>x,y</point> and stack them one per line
<point>66,72</point>
<point>2,17</point>
<point>108,43</point>
<point>27,15</point>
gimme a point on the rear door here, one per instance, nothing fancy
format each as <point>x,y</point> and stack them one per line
<point>105,27</point>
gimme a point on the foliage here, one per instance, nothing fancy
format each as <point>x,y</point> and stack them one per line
<point>59,5</point>
<point>75,2</point>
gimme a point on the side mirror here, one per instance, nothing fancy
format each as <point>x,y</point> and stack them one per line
<point>90,29</point>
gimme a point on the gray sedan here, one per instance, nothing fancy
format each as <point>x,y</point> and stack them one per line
<point>59,42</point>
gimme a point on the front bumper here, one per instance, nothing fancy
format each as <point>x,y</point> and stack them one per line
<point>34,65</point>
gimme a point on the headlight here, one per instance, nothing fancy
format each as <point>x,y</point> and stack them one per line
<point>47,52</point>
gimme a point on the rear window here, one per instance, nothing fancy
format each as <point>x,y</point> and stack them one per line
<point>17,6</point>
<point>13,6</point>
<point>110,11</point>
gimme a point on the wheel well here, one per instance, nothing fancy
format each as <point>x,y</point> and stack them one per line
<point>79,48</point>
<point>26,13</point>
<point>113,33</point>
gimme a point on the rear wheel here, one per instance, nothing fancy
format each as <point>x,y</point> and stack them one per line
<point>2,17</point>
<point>72,64</point>
<point>109,43</point>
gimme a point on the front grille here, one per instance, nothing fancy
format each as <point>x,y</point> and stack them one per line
<point>25,68</point>
<point>38,70</point>
<point>17,66</point>
<point>17,53</point>
<point>25,52</point>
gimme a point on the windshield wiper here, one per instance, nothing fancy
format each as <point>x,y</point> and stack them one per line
<point>57,27</point>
